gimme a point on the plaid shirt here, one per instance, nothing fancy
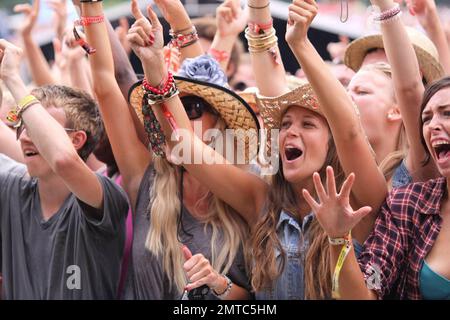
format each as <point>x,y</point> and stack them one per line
<point>405,231</point>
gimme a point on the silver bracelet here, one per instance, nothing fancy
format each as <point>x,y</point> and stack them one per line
<point>227,291</point>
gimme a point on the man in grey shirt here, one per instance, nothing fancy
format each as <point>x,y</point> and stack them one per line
<point>61,226</point>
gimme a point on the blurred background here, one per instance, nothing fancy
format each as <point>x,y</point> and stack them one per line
<point>327,27</point>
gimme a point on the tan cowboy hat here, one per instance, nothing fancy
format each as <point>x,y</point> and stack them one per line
<point>236,113</point>
<point>250,93</point>
<point>272,108</point>
<point>426,52</point>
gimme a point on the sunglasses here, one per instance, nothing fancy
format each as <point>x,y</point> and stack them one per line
<point>196,106</point>
<point>20,129</point>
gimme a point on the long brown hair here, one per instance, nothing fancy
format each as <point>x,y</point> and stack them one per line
<point>282,196</point>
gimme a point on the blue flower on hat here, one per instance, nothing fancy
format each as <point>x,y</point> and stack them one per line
<point>204,68</point>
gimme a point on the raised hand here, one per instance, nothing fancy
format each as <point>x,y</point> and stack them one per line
<point>230,18</point>
<point>146,37</point>
<point>60,9</point>
<point>174,12</point>
<point>199,271</point>
<point>10,57</point>
<point>31,13</point>
<point>333,211</point>
<point>301,14</point>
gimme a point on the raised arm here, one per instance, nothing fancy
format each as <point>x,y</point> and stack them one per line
<point>180,23</point>
<point>113,106</point>
<point>59,7</point>
<point>408,88</point>
<point>427,14</point>
<point>341,114</point>
<point>231,21</point>
<point>39,68</point>
<point>383,255</point>
<point>8,143</point>
<point>125,76</point>
<point>49,136</point>
<point>266,60</point>
<point>243,191</point>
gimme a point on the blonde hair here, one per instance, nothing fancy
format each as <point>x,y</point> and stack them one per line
<point>393,159</point>
<point>162,239</point>
<point>265,240</point>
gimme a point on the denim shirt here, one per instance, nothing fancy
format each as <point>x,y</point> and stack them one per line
<point>401,176</point>
<point>290,284</point>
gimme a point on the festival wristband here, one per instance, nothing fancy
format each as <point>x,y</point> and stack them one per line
<point>346,242</point>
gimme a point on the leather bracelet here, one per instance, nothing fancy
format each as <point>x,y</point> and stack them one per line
<point>263,7</point>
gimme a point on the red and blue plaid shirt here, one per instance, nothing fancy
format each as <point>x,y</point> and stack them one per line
<point>405,231</point>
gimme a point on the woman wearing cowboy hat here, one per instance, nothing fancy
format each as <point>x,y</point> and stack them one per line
<point>171,208</point>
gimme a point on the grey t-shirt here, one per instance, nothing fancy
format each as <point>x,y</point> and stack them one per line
<point>69,256</point>
<point>146,277</point>
<point>9,165</point>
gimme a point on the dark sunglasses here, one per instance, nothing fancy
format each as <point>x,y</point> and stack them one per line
<point>196,106</point>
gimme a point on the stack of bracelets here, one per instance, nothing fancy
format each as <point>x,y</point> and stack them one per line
<point>182,40</point>
<point>388,15</point>
<point>262,37</point>
<point>153,96</point>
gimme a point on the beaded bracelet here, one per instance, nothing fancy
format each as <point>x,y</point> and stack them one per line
<point>153,96</point>
<point>180,40</point>
<point>227,291</point>
<point>388,14</point>
<point>85,21</point>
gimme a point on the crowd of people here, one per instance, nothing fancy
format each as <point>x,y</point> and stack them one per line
<point>215,174</point>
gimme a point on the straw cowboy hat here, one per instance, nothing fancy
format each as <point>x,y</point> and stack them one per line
<point>203,77</point>
<point>426,52</point>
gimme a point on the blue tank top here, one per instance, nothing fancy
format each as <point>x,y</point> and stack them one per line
<point>433,286</point>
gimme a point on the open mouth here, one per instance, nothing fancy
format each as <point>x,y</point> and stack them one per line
<point>292,153</point>
<point>30,153</point>
<point>442,150</point>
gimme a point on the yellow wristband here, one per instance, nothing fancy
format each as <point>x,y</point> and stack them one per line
<point>337,270</point>
<point>25,101</point>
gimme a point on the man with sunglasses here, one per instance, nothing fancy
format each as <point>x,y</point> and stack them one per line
<point>62,226</point>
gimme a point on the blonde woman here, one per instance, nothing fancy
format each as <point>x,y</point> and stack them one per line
<point>171,207</point>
